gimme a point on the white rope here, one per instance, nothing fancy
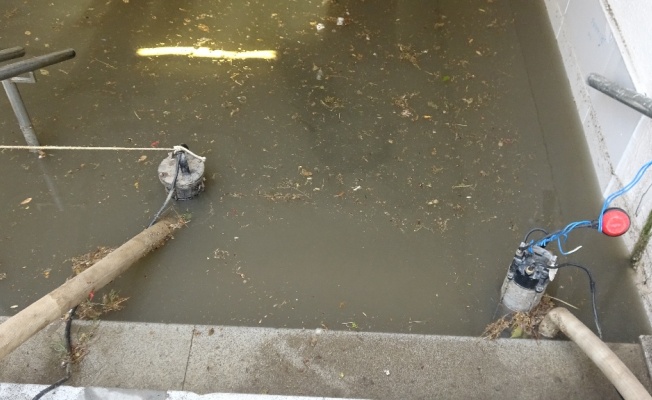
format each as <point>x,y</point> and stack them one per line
<point>175,149</point>
<point>2,147</point>
<point>181,148</point>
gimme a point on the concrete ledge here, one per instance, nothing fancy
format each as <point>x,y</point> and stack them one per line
<point>19,392</point>
<point>316,363</point>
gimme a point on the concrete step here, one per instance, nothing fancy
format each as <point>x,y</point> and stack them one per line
<point>27,391</point>
<point>199,359</point>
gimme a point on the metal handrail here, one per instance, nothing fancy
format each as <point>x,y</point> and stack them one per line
<point>13,70</point>
<point>635,100</point>
<point>20,67</point>
<point>11,53</point>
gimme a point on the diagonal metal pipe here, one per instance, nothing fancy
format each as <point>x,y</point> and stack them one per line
<point>635,100</point>
<point>20,67</point>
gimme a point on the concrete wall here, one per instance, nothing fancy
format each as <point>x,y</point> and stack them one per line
<point>612,38</point>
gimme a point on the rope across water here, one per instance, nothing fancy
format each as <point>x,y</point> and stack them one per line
<point>175,149</point>
<point>3,147</point>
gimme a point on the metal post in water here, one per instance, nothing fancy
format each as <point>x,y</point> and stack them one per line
<point>21,113</point>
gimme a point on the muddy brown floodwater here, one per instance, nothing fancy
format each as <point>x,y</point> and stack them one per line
<point>378,174</point>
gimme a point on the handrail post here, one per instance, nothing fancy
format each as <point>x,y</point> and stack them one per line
<point>18,106</point>
<point>9,72</point>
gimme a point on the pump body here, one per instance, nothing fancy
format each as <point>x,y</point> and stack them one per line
<point>527,277</point>
<point>189,180</point>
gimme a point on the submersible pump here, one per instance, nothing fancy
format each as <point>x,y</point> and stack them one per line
<point>534,267</point>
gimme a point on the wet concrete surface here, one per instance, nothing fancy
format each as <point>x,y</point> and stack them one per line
<point>378,175</point>
<point>311,362</point>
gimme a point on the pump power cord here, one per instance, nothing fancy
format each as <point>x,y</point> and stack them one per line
<point>592,288</point>
<point>527,235</point>
<point>171,193</point>
<point>67,362</point>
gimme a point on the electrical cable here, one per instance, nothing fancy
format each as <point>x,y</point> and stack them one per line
<point>622,191</point>
<point>563,234</point>
<point>527,235</point>
<point>68,343</point>
<point>170,194</point>
<point>592,288</point>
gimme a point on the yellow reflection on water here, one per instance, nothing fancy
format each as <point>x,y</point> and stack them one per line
<point>206,52</point>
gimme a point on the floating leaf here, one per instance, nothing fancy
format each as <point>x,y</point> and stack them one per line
<point>517,332</point>
<point>26,201</point>
<point>142,158</point>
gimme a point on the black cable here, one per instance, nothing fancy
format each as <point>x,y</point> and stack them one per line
<point>593,290</point>
<point>170,194</point>
<point>58,383</point>
<point>527,235</point>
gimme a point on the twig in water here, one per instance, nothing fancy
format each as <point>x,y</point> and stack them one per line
<point>107,64</point>
<point>562,301</point>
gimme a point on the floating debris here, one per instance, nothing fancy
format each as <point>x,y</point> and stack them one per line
<point>110,302</point>
<point>520,324</point>
<point>82,263</point>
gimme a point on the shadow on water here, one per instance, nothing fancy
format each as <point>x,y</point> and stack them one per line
<point>379,172</point>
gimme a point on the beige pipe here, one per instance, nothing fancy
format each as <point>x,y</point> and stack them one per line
<point>618,374</point>
<point>22,326</point>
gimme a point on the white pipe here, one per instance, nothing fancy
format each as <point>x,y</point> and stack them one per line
<point>618,374</point>
<point>22,326</point>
